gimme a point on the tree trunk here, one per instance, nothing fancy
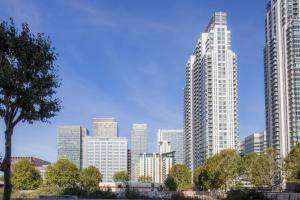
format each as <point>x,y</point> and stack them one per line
<point>7,165</point>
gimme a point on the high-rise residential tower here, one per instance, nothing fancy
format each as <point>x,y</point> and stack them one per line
<point>105,127</point>
<point>210,95</point>
<point>282,74</point>
<point>69,143</point>
<point>175,139</point>
<point>139,145</point>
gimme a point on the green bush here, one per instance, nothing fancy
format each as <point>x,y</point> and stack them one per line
<point>246,195</point>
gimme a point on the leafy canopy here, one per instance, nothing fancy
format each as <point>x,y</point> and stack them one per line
<point>25,176</point>
<point>28,76</point>
<point>179,178</point>
<point>292,163</point>
<point>63,174</point>
<point>90,178</point>
<point>121,176</point>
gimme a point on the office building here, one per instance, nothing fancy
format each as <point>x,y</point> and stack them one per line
<point>105,127</point>
<point>139,145</point>
<point>129,162</point>
<point>282,74</point>
<point>69,143</point>
<point>255,143</point>
<point>176,141</point>
<point>210,95</point>
<point>109,155</point>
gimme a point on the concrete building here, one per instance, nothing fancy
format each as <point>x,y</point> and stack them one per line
<point>210,95</point>
<point>109,155</point>
<point>156,166</point>
<point>139,145</point>
<point>175,138</point>
<point>69,143</point>
<point>105,127</point>
<point>255,143</point>
<point>282,74</point>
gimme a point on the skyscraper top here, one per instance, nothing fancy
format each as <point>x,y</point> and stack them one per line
<point>219,18</point>
<point>105,127</point>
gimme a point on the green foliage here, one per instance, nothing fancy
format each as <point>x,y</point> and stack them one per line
<point>90,178</point>
<point>219,171</point>
<point>145,179</point>
<point>247,165</point>
<point>63,174</point>
<point>265,170</point>
<point>246,195</point>
<point>121,176</point>
<point>292,163</point>
<point>28,75</point>
<point>179,178</point>
<point>25,176</point>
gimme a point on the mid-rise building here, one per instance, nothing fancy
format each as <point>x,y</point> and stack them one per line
<point>210,110</point>
<point>139,145</point>
<point>156,166</point>
<point>69,143</point>
<point>255,143</point>
<point>105,127</point>
<point>109,155</point>
<point>282,74</point>
<point>175,138</point>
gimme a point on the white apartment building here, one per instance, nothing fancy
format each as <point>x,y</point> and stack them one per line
<point>105,127</point>
<point>139,145</point>
<point>109,155</point>
<point>210,95</point>
<point>156,165</point>
<point>282,74</point>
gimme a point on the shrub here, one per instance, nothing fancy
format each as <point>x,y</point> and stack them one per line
<point>246,195</point>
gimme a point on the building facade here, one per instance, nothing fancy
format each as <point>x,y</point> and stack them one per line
<point>69,143</point>
<point>175,139</point>
<point>105,127</point>
<point>255,143</point>
<point>156,166</point>
<point>109,155</point>
<point>210,110</point>
<point>139,145</point>
<point>282,74</point>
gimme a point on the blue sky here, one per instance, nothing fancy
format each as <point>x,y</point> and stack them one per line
<point>126,59</point>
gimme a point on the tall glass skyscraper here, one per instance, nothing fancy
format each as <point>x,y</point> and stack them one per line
<point>105,127</point>
<point>282,74</point>
<point>69,143</point>
<point>175,139</point>
<point>139,145</point>
<point>210,110</point>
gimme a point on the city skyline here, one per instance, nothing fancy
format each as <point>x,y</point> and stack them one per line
<point>105,90</point>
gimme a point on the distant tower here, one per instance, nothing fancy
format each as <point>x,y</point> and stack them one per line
<point>282,74</point>
<point>139,145</point>
<point>210,108</point>
<point>69,143</point>
<point>105,127</point>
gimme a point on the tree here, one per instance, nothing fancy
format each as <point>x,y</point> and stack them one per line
<point>63,174</point>
<point>25,176</point>
<point>179,176</point>
<point>121,176</point>
<point>266,169</point>
<point>219,171</point>
<point>90,178</point>
<point>292,163</point>
<point>28,83</point>
<point>247,165</point>
<point>145,179</point>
